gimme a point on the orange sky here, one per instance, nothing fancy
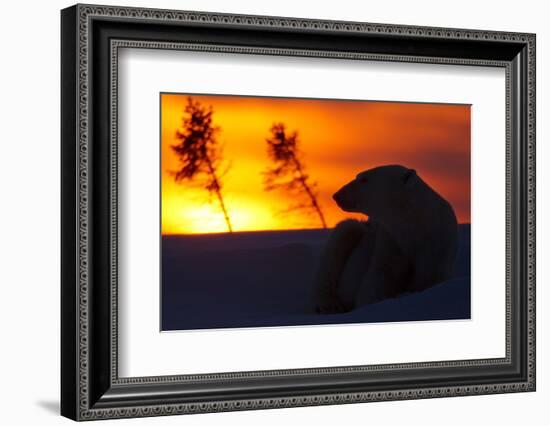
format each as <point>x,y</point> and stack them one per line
<point>338,139</point>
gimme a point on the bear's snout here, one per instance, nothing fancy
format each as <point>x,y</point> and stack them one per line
<point>337,196</point>
<point>343,199</point>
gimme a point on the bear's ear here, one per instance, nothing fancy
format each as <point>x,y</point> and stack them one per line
<point>408,175</point>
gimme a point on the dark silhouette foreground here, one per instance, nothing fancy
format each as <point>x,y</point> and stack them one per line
<point>255,279</point>
<point>408,244</point>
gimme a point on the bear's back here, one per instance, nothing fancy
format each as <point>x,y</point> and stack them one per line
<point>437,239</point>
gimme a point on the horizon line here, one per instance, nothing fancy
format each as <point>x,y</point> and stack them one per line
<point>256,231</point>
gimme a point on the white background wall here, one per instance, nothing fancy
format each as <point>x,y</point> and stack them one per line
<point>29,213</point>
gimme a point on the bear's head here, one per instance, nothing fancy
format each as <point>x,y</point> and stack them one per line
<point>377,191</point>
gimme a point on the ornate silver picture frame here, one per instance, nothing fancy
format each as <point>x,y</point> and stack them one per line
<point>91,40</point>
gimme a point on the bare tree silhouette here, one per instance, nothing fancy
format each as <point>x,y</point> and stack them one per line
<point>199,151</point>
<point>289,171</point>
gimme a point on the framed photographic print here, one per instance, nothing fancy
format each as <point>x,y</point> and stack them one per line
<point>263,212</point>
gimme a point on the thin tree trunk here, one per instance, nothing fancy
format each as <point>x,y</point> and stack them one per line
<point>219,194</point>
<point>222,205</point>
<point>312,197</point>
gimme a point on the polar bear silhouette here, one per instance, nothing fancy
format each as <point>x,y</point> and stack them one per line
<point>409,242</point>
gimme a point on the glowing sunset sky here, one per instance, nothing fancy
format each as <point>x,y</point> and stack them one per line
<point>337,138</point>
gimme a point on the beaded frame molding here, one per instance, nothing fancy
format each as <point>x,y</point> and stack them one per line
<point>91,38</point>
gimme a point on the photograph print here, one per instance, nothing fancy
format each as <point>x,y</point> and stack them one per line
<point>292,211</point>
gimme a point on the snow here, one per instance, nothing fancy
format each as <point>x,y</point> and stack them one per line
<point>253,279</point>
